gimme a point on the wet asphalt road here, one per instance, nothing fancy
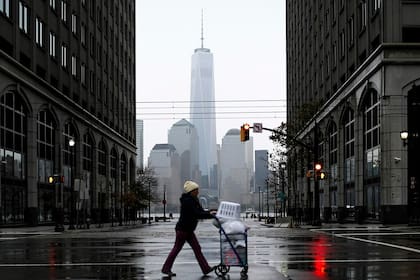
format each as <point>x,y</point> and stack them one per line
<point>361,252</point>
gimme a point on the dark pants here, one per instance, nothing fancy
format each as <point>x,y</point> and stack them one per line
<point>181,237</point>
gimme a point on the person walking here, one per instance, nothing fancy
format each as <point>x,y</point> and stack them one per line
<point>191,212</point>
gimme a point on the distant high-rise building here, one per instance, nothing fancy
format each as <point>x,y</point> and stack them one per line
<point>139,143</point>
<point>236,168</point>
<point>183,136</point>
<point>202,114</point>
<point>261,170</point>
<point>164,160</point>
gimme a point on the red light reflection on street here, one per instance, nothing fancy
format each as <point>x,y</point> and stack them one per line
<point>319,251</point>
<point>52,262</point>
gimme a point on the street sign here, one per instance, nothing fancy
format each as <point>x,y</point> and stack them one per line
<point>257,128</point>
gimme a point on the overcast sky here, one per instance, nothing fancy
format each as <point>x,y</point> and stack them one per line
<point>248,41</point>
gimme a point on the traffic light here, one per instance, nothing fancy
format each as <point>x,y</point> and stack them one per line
<point>244,132</point>
<point>55,179</point>
<point>319,173</point>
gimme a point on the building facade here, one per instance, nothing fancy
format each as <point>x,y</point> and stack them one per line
<point>66,73</point>
<point>352,87</point>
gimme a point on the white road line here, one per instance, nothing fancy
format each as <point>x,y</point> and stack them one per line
<point>378,233</point>
<point>380,243</point>
<point>353,229</point>
<point>193,262</point>
<point>349,236</point>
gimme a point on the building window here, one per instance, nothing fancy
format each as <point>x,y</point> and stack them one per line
<point>74,66</point>
<point>363,14</point>
<point>69,153</point>
<point>39,31</point>
<point>64,56</point>
<point>64,11</point>
<point>13,130</point>
<point>52,45</point>
<point>351,31</point>
<point>333,148</point>
<point>52,4</point>
<point>83,74</point>
<point>349,165</point>
<point>342,44</point>
<point>23,17</point>
<point>46,144</point>
<point>102,159</point>
<point>83,34</point>
<point>87,157</point>
<point>372,134</point>
<point>74,24</point>
<point>92,82</point>
<point>376,6</point>
<point>5,7</point>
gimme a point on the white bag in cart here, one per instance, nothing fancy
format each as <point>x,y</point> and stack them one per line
<point>232,227</point>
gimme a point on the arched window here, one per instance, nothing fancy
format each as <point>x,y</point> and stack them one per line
<point>372,155</point>
<point>123,168</point>
<point>349,164</point>
<point>333,151</point>
<point>87,157</point>
<point>349,160</point>
<point>13,136</point>
<point>372,135</point>
<point>46,143</point>
<point>102,158</point>
<point>69,154</point>
<point>333,162</point>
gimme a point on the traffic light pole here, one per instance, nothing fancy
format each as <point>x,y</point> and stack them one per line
<point>316,220</point>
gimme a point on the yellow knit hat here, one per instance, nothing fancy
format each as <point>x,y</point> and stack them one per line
<point>189,186</point>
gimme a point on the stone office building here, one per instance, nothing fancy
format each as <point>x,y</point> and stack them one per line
<point>66,73</point>
<point>354,79</point>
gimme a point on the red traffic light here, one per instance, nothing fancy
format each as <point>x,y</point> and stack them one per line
<point>318,166</point>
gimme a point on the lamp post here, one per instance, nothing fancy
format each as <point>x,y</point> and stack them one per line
<point>283,168</point>
<point>404,137</point>
<point>259,203</point>
<point>164,202</point>
<point>71,145</point>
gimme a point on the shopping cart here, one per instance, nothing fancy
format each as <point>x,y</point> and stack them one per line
<point>234,246</point>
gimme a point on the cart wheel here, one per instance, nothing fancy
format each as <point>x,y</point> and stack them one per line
<point>222,269</point>
<point>244,273</point>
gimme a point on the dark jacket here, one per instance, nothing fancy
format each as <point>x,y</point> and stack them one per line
<point>191,212</point>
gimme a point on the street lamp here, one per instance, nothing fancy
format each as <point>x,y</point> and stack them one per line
<point>404,137</point>
<point>71,145</point>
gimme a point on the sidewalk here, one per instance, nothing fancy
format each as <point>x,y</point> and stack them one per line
<point>51,228</point>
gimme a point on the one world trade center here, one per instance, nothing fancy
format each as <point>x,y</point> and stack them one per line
<point>203,115</point>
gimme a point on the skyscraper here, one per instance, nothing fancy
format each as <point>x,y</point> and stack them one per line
<point>139,143</point>
<point>183,136</point>
<point>202,113</point>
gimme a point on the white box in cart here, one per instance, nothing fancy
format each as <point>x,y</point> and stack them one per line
<point>229,211</point>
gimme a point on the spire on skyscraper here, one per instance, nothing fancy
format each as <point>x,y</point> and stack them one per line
<point>202,30</point>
